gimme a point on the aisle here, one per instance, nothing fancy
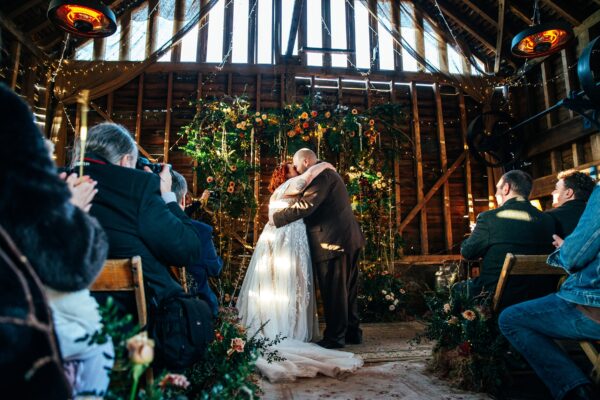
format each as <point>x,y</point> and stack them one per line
<point>394,369</point>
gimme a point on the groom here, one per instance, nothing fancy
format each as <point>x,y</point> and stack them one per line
<point>335,241</point>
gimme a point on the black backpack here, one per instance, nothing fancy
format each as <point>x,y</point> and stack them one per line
<point>182,328</point>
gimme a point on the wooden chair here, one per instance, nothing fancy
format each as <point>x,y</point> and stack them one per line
<point>179,274</point>
<point>536,265</point>
<point>124,275</point>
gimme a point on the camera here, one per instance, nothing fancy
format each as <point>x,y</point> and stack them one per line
<point>144,162</point>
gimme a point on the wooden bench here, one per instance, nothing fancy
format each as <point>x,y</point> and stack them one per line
<point>536,265</point>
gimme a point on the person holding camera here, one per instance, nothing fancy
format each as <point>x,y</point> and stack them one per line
<point>140,216</point>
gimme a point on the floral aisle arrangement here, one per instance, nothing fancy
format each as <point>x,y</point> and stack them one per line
<point>226,372</point>
<point>470,351</point>
<point>382,295</point>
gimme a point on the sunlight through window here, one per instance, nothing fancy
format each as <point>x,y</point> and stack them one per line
<point>286,23</point>
<point>239,52</point>
<point>113,45</point>
<point>361,22</point>
<point>86,52</point>
<point>165,32</point>
<point>480,64</point>
<point>338,32</point>
<point>455,65</point>
<point>432,50</point>
<point>189,45</point>
<point>386,41</point>
<point>407,30</point>
<point>264,45</point>
<point>314,31</point>
<point>137,33</point>
<point>216,21</point>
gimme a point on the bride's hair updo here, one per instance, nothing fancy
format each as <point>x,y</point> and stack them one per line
<point>278,177</point>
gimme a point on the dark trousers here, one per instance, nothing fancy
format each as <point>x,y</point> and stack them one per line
<point>338,284</point>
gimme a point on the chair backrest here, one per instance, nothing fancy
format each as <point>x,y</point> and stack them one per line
<point>124,275</point>
<point>522,265</point>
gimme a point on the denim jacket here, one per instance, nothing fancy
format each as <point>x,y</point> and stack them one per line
<point>580,257</point>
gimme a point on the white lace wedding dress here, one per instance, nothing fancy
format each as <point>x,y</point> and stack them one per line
<point>277,297</point>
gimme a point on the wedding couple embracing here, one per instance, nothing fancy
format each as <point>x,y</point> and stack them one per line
<point>311,231</point>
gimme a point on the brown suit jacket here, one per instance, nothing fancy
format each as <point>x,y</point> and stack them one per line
<point>331,226</point>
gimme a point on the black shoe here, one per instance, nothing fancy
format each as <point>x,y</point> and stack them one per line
<point>582,392</point>
<point>330,344</point>
<point>354,339</point>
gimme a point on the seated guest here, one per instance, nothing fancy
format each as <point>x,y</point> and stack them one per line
<point>66,248</point>
<point>211,263</point>
<point>514,227</point>
<point>571,313</point>
<point>138,210</point>
<point>569,198</point>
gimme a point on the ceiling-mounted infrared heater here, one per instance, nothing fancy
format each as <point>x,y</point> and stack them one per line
<point>85,18</point>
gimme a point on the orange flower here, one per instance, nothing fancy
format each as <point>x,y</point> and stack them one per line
<point>241,135</point>
<point>298,129</point>
<point>210,179</point>
<point>233,168</point>
<point>327,114</point>
<point>218,336</point>
<point>305,125</point>
<point>291,133</point>
<point>313,114</point>
<point>230,189</point>
<point>354,111</point>
<point>264,116</point>
<point>257,119</point>
<point>175,380</point>
<point>304,115</point>
<point>237,345</point>
<point>352,134</point>
<point>306,138</point>
<point>469,315</point>
<point>371,122</point>
<point>231,183</point>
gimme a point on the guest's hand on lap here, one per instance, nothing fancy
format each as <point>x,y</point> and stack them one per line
<point>558,241</point>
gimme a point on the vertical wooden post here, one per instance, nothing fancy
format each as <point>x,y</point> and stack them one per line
<point>277,15</point>
<point>595,146</point>
<point>177,25</point>
<point>419,166</point>
<point>99,49</point>
<point>444,164</point>
<point>168,118</point>
<point>568,76</point>
<point>419,36</point>
<point>124,40</point>
<point>152,29</point>
<point>373,36</point>
<point>252,31</point>
<point>228,31</point>
<point>397,193</point>
<point>59,131</point>
<point>195,167</point>
<point>110,100</point>
<point>202,35</point>
<point>326,30</point>
<point>578,155</point>
<point>556,161</point>
<point>17,61</point>
<point>139,109</point>
<point>547,95</point>
<point>350,33</point>
<point>468,183</point>
<point>229,84</point>
<point>282,90</point>
<point>397,34</point>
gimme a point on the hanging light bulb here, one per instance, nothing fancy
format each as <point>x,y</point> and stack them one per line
<point>85,18</point>
<point>541,39</point>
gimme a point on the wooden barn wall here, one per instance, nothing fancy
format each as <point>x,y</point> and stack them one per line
<point>150,119</point>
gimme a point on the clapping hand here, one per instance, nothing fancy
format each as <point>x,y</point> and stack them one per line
<point>82,190</point>
<point>558,241</point>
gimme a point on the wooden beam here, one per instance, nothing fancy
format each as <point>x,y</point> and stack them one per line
<point>177,25</point>
<point>22,8</point>
<point>544,186</point>
<point>202,34</point>
<point>228,31</point>
<point>7,24</point>
<point>466,26</point>
<point>578,155</point>
<point>519,14</point>
<point>198,109</point>
<point>556,163</point>
<point>152,28</point>
<point>125,34</point>
<point>16,61</point>
<point>252,31</point>
<point>350,32</point>
<point>499,34</point>
<point>595,146</point>
<point>481,13</point>
<point>558,135</point>
<point>444,164</point>
<point>276,38</point>
<point>562,12</point>
<point>39,27</point>
<point>397,192</point>
<point>325,31</point>
<point>139,108</point>
<point>168,118</point>
<point>110,100</point>
<point>428,259</point>
<point>443,179</point>
<point>468,183</point>
<point>397,34</point>
<point>419,170</point>
<point>567,74</point>
<point>296,16</point>
<point>419,37</point>
<point>99,47</point>
<point>373,33</point>
<point>546,91</point>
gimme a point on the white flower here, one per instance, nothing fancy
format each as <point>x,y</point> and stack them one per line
<point>388,297</point>
<point>392,307</point>
<point>396,302</point>
<point>383,292</point>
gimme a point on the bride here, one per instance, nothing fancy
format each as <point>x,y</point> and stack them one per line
<point>278,297</point>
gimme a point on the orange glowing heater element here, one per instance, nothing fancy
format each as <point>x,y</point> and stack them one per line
<point>88,18</point>
<point>541,40</point>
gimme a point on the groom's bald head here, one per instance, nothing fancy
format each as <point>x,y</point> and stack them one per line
<point>304,159</point>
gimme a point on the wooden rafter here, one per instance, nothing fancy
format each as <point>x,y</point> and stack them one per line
<point>520,14</point>
<point>480,12</point>
<point>22,8</point>
<point>499,34</point>
<point>298,5</point>
<point>562,12</point>
<point>466,26</point>
<point>7,24</point>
